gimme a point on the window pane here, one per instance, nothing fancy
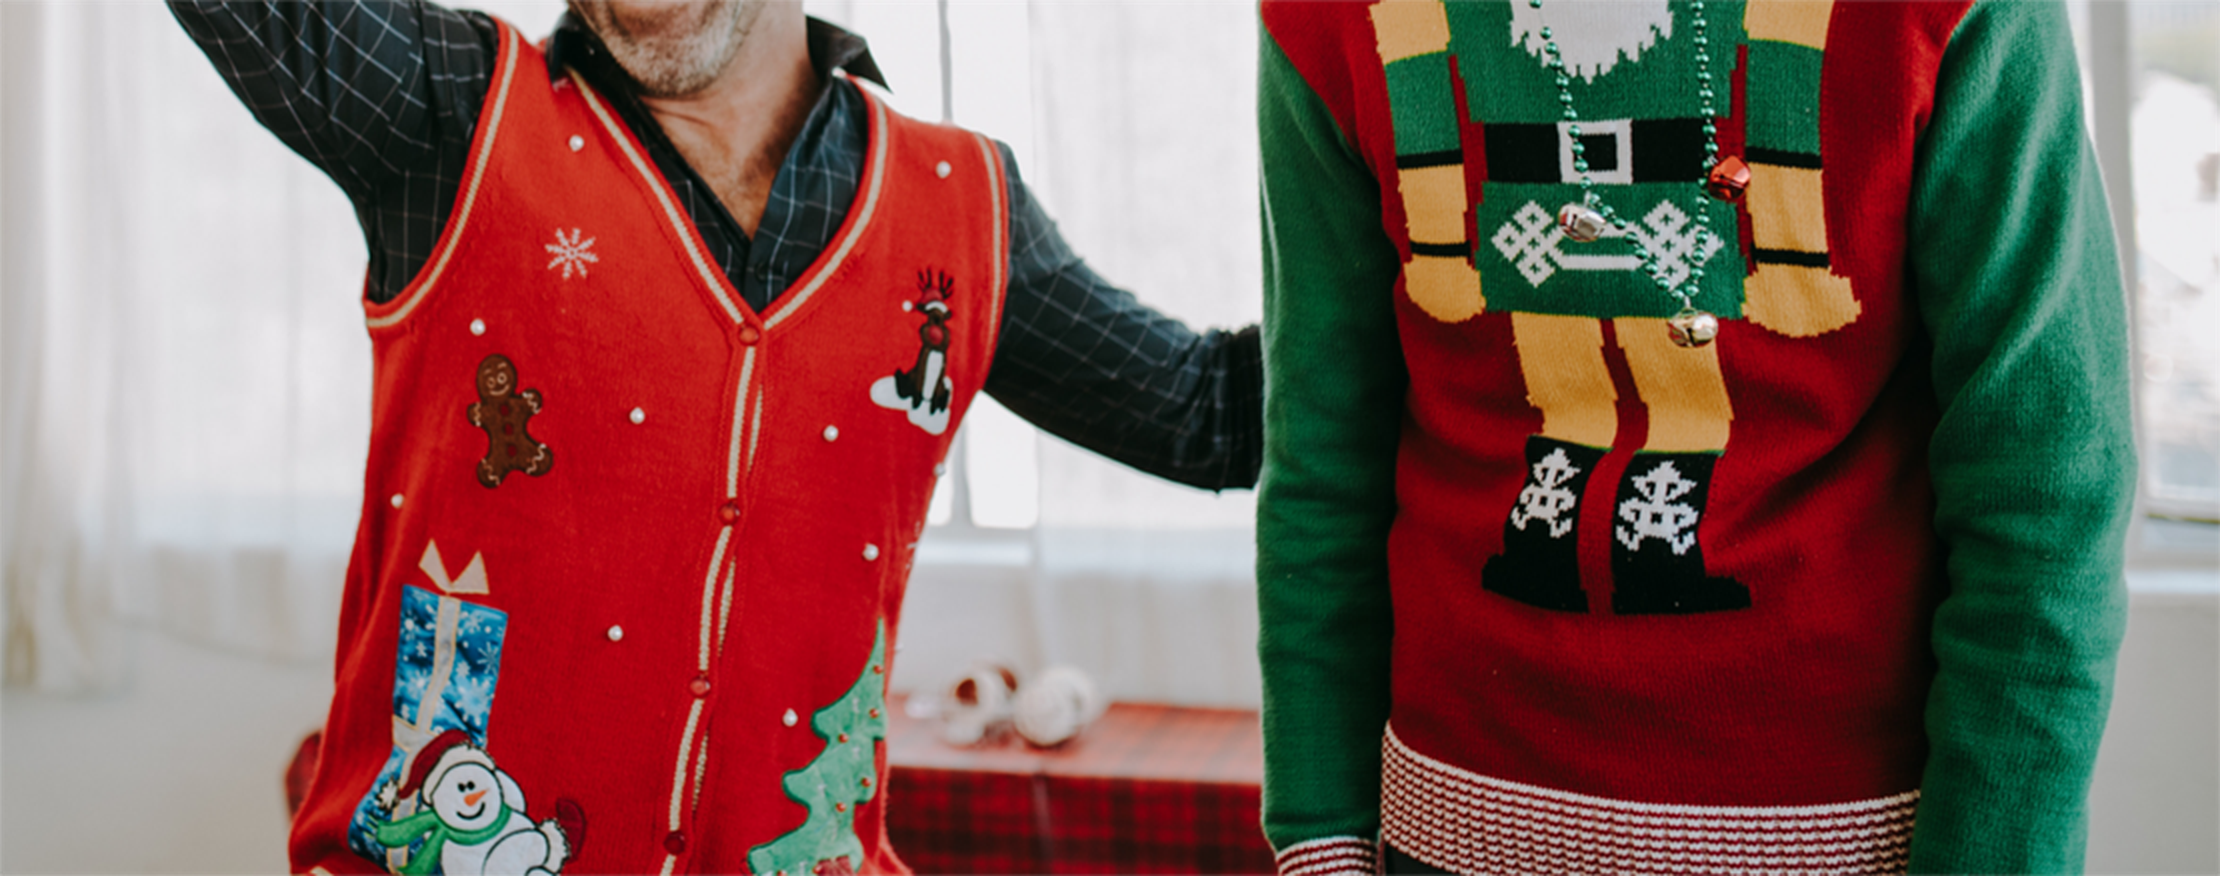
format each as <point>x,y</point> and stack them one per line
<point>905,40</point>
<point>943,507</point>
<point>991,87</point>
<point>1001,466</point>
<point>2175,128</point>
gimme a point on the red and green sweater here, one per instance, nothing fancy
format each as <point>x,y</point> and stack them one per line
<point>1544,592</point>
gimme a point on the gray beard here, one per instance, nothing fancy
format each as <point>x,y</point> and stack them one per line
<point>677,57</point>
<point>1593,35</point>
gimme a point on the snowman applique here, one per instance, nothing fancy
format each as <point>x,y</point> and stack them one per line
<point>470,816</point>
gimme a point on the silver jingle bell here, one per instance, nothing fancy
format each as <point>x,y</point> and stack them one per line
<point>1692,328</point>
<point>1580,222</point>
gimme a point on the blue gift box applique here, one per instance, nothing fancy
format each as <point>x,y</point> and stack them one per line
<point>447,665</point>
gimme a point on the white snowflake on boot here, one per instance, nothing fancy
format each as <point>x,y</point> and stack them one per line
<point>572,252</point>
<point>1545,498</point>
<point>1657,513</point>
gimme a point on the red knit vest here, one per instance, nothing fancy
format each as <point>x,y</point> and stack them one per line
<point>628,536</point>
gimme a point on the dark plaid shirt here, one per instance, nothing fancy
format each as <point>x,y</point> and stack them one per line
<point>383,96</point>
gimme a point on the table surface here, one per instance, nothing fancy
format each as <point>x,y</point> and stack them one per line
<point>1144,789</point>
<point>1135,741</point>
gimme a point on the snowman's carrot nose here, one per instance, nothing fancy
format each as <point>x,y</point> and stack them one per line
<point>472,798</point>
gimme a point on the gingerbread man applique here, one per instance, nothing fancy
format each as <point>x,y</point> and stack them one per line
<point>503,410</point>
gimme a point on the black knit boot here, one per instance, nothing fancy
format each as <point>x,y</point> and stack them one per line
<point>1656,564</point>
<point>1540,563</point>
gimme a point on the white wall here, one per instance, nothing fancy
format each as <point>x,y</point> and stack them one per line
<point>2155,804</point>
<point>181,773</point>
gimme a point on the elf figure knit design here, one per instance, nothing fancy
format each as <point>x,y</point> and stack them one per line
<point>1542,591</point>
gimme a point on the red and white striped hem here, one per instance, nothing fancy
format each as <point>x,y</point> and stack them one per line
<point>1465,822</point>
<point>1332,855</point>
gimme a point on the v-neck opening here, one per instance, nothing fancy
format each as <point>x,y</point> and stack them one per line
<point>805,286</point>
<point>762,269</point>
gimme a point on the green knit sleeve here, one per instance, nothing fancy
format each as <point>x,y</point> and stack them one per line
<point>1334,387</point>
<point>2017,279</point>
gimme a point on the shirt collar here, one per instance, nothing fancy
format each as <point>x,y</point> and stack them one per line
<point>831,47</point>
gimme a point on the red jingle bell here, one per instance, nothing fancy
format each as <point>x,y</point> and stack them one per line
<point>1728,179</point>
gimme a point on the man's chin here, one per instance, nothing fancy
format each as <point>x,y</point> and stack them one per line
<point>664,71</point>
<point>669,49</point>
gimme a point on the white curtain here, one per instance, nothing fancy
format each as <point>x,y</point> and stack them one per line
<point>58,598</point>
<point>186,376</point>
<point>59,593</point>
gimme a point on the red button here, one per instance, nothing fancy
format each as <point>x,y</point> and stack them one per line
<point>748,335</point>
<point>729,513</point>
<point>674,842</point>
<point>699,687</point>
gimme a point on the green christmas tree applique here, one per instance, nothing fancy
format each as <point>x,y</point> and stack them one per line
<point>842,778</point>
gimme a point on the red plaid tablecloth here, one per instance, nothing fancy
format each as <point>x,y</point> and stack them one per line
<point>1146,789</point>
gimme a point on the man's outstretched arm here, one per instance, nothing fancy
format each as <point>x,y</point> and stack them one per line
<point>1089,363</point>
<point>380,95</point>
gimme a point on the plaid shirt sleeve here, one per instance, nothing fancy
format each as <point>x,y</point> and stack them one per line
<point>380,95</point>
<point>1089,363</point>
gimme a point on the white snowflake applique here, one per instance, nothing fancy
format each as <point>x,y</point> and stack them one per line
<point>1546,498</point>
<point>1658,512</point>
<point>572,252</point>
<point>1529,240</point>
<point>1677,243</point>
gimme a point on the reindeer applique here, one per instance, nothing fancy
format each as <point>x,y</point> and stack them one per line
<point>923,390</point>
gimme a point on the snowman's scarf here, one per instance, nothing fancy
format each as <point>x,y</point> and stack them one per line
<point>400,832</point>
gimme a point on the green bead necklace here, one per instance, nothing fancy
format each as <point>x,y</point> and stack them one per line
<point>1585,221</point>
